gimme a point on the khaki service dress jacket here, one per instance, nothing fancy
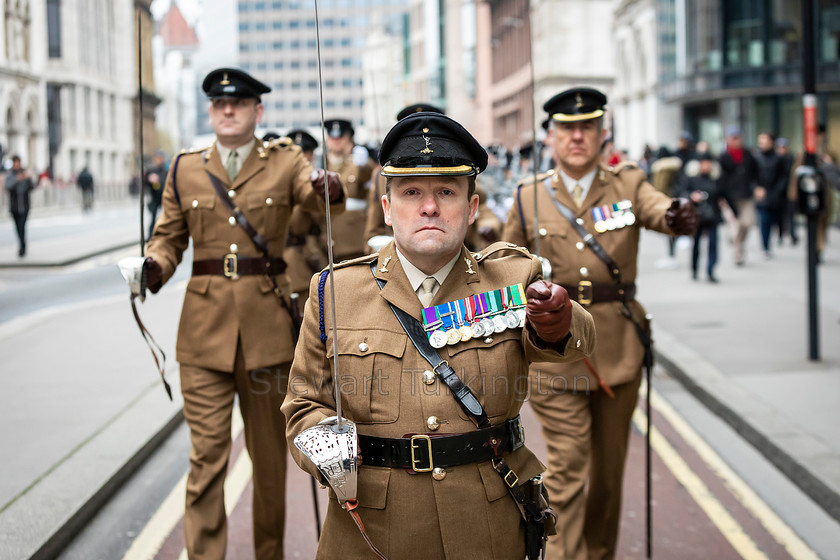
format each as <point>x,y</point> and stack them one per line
<point>218,312</point>
<point>619,355</point>
<point>469,513</point>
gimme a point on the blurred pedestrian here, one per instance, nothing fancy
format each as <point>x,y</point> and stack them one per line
<point>154,180</point>
<point>85,182</point>
<point>703,190</point>
<point>739,177</point>
<point>771,189</point>
<point>665,174</point>
<point>788,213</point>
<point>18,185</point>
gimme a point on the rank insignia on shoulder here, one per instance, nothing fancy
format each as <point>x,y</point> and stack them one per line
<point>475,316</point>
<point>613,216</point>
<point>529,179</point>
<point>622,165</point>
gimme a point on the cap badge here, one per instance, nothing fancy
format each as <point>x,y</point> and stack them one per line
<point>298,138</point>
<point>469,266</point>
<point>225,80</point>
<point>427,149</point>
<point>336,130</point>
<point>384,264</point>
<point>578,101</point>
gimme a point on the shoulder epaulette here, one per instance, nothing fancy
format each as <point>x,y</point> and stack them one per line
<point>529,179</point>
<point>622,165</point>
<point>277,143</point>
<point>501,246</point>
<point>367,259</point>
<point>195,150</point>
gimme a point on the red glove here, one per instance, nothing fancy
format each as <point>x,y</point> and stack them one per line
<point>317,180</point>
<point>154,275</point>
<point>680,217</point>
<point>549,310</point>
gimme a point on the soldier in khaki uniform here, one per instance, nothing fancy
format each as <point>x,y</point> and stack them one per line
<point>235,335</point>
<point>453,506</point>
<point>305,252</point>
<point>353,165</point>
<point>586,431</point>
<point>482,232</point>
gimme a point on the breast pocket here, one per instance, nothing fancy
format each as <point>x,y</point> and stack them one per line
<point>370,369</point>
<point>492,366</point>
<point>268,213</point>
<point>199,212</point>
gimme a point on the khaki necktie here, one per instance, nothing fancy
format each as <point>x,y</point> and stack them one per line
<point>427,291</point>
<point>577,195</point>
<point>230,165</point>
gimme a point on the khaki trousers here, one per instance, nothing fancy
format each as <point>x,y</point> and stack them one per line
<point>587,437</point>
<point>208,404</point>
<point>741,226</point>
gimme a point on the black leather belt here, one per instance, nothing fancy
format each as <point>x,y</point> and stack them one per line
<point>424,452</point>
<point>234,266</point>
<point>587,293</point>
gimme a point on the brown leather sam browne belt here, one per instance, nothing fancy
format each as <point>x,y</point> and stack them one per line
<point>234,266</point>
<point>587,293</point>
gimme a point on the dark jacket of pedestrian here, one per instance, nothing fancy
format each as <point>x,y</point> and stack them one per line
<point>739,175</point>
<point>772,176</point>
<point>708,209</point>
<point>85,180</point>
<point>18,185</point>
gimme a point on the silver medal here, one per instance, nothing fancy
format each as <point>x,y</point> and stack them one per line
<point>511,319</point>
<point>499,325</point>
<point>438,339</point>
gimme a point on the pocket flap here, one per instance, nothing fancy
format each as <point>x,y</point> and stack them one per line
<point>368,342</point>
<point>485,341</point>
<point>202,201</point>
<point>263,200</point>
<point>199,284</point>
<point>494,488</point>
<point>373,486</point>
<point>555,227</point>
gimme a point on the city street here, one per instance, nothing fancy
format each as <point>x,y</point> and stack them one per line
<point>81,400</point>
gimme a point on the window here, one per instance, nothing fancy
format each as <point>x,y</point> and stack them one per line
<point>54,28</point>
<point>313,84</point>
<point>243,47</point>
<point>346,42</point>
<point>243,6</point>
<point>346,62</point>
<point>243,26</point>
<point>277,5</point>
<point>294,65</point>
<point>260,26</point>
<point>347,103</point>
<point>295,105</point>
<point>311,44</point>
<point>278,64</point>
<point>294,44</point>
<point>329,84</point>
<point>259,6</point>
<point>295,85</point>
<point>329,104</point>
<point>313,103</point>
<point>294,24</point>
<point>279,105</point>
<point>277,45</point>
<point>346,83</point>
<point>329,42</point>
<point>262,66</point>
<point>276,25</point>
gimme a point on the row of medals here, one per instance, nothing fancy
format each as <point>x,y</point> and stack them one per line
<point>484,324</point>
<point>613,216</point>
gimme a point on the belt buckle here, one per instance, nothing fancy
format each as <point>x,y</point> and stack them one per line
<point>584,292</point>
<point>230,266</point>
<point>416,446</point>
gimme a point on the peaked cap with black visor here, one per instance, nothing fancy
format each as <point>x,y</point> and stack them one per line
<point>576,104</point>
<point>430,144</point>
<point>233,82</point>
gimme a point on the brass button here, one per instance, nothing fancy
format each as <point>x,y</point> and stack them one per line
<point>232,221</point>
<point>234,247</point>
<point>195,204</point>
<point>584,271</point>
<point>231,193</point>
<point>579,221</point>
<point>543,232</point>
<point>577,344</point>
<point>363,347</point>
<point>351,178</point>
<point>269,201</point>
<point>438,473</point>
<point>580,245</point>
<point>432,423</point>
<point>488,340</point>
<point>428,377</point>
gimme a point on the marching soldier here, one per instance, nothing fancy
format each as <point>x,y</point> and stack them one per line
<point>434,479</point>
<point>353,165</point>
<point>484,230</point>
<point>305,245</point>
<point>586,427</point>
<point>236,336</point>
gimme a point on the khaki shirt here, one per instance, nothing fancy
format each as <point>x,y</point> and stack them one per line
<point>468,514</point>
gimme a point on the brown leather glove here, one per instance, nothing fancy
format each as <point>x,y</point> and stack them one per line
<point>488,234</point>
<point>549,310</point>
<point>317,180</point>
<point>680,217</point>
<point>154,275</point>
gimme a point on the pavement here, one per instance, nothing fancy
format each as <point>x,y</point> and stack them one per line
<point>740,346</point>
